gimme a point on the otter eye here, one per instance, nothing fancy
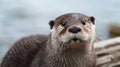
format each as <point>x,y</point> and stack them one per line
<point>63,24</point>
<point>83,22</point>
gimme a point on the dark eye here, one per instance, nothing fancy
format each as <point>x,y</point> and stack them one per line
<point>83,22</point>
<point>63,24</point>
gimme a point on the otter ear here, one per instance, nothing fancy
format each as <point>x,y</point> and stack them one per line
<point>92,19</point>
<point>51,23</point>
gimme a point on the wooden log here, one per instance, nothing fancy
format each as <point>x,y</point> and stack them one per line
<point>108,59</point>
<point>105,43</point>
<point>108,52</point>
<point>104,60</point>
<point>117,64</point>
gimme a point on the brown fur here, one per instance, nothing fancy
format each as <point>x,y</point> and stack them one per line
<point>24,51</point>
<point>39,50</point>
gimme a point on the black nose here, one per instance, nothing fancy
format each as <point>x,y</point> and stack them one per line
<point>74,29</point>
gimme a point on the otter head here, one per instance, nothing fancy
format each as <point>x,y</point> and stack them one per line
<point>73,27</point>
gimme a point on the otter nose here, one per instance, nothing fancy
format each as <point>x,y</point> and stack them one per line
<point>74,29</point>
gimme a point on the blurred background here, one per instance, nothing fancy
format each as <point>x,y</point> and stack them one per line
<point>19,18</point>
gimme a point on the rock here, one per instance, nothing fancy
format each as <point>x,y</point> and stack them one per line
<point>114,30</point>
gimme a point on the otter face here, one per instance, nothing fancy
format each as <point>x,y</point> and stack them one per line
<point>73,27</point>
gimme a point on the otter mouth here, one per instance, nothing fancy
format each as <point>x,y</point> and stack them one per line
<point>75,39</point>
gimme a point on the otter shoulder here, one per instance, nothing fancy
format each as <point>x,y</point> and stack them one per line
<point>23,51</point>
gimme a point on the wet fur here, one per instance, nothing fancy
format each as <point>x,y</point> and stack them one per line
<point>50,51</point>
<point>24,51</point>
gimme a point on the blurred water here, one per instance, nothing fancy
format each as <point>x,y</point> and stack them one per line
<point>20,18</point>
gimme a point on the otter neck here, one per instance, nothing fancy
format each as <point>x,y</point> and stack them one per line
<point>68,57</point>
<point>60,47</point>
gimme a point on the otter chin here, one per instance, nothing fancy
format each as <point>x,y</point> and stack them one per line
<point>70,44</point>
<point>75,38</point>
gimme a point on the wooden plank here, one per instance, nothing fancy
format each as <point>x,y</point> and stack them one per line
<point>117,64</point>
<point>108,52</point>
<point>105,43</point>
<point>104,60</point>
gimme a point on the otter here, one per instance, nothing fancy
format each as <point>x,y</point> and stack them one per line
<point>69,44</point>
